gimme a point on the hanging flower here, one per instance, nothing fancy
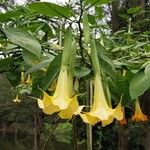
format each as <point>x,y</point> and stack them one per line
<point>100,110</point>
<point>29,80</point>
<point>61,101</point>
<point>17,100</point>
<point>22,77</point>
<point>138,115</point>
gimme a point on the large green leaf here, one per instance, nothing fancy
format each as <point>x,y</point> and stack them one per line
<point>120,89</point>
<point>49,9</point>
<point>52,72</point>
<point>23,39</point>
<point>30,58</point>
<point>40,66</point>
<point>13,14</point>
<point>139,84</point>
<point>133,10</point>
<point>81,72</point>
<point>147,70</point>
<point>5,63</point>
<point>13,77</point>
<point>105,60</point>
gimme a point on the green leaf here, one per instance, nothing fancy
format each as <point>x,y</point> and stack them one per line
<point>123,88</point>
<point>13,77</point>
<point>97,2</point>
<point>91,19</point>
<point>124,16</point>
<point>52,72</point>
<point>99,12</point>
<point>30,58</point>
<point>138,85</point>
<point>140,44</point>
<point>105,60</point>
<point>120,88</point>
<point>50,9</point>
<point>40,66</point>
<point>133,10</point>
<point>81,72</point>
<point>6,63</point>
<point>14,14</point>
<point>23,39</point>
<point>86,28</point>
<point>147,70</point>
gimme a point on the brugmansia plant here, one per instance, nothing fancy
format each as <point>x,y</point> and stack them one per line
<point>117,64</point>
<point>100,111</point>
<point>63,100</point>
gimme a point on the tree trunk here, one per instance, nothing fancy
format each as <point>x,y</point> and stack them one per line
<point>123,139</point>
<point>4,129</point>
<point>147,139</point>
<point>16,132</point>
<point>75,138</point>
<point>114,15</point>
<point>35,133</point>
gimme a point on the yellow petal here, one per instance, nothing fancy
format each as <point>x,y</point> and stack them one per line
<point>29,80</point>
<point>17,99</point>
<point>89,119</point>
<point>49,108</point>
<point>79,110</point>
<point>40,103</point>
<point>46,99</point>
<point>118,114</point>
<point>108,121</point>
<point>72,109</point>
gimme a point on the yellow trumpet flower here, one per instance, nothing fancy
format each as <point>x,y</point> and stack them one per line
<point>16,100</point>
<point>29,80</point>
<point>100,110</point>
<point>138,115</point>
<point>61,101</point>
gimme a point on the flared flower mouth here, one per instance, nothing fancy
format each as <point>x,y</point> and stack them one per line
<point>138,115</point>
<point>61,101</point>
<point>17,100</point>
<point>100,110</point>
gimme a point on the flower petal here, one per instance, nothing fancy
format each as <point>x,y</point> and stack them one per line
<point>40,103</point>
<point>71,110</point>
<point>89,119</point>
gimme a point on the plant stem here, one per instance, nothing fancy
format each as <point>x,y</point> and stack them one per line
<point>56,125</point>
<point>75,139</point>
<point>89,127</point>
